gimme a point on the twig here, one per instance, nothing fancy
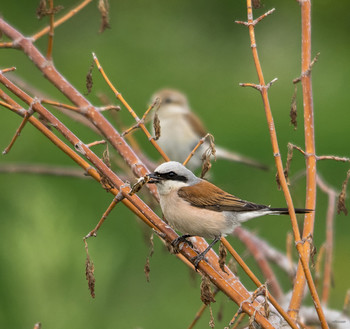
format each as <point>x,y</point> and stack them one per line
<point>51,32</point>
<point>327,273</point>
<point>18,131</point>
<point>39,169</point>
<point>228,284</point>
<point>259,256</point>
<point>303,248</point>
<point>200,142</point>
<point>256,281</point>
<point>46,30</point>
<point>96,143</point>
<point>131,111</point>
<point>119,197</point>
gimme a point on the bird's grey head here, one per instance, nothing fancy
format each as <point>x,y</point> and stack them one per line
<point>170,98</point>
<point>172,175</point>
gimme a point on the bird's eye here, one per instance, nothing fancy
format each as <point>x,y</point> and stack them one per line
<point>167,100</point>
<point>171,174</point>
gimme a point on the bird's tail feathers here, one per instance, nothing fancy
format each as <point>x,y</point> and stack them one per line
<point>284,211</point>
<point>233,156</point>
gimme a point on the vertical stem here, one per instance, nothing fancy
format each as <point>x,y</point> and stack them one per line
<point>51,32</point>
<point>309,154</point>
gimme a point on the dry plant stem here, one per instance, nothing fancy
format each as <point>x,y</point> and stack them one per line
<point>10,69</point>
<point>51,32</point>
<point>237,322</point>
<point>226,282</point>
<point>256,281</point>
<point>96,143</point>
<point>260,258</point>
<point>303,271</point>
<point>18,132</point>
<point>319,157</point>
<point>200,312</point>
<point>57,104</point>
<point>137,125</point>
<point>131,111</point>
<point>117,199</point>
<point>327,273</point>
<point>200,142</point>
<point>302,247</point>
<point>86,109</point>
<point>46,30</point>
<point>39,169</point>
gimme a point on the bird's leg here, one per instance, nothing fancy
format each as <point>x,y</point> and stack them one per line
<point>183,238</point>
<point>198,258</point>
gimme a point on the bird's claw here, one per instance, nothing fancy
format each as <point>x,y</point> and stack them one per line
<point>183,238</point>
<point>196,260</point>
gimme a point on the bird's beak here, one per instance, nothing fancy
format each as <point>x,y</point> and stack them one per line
<point>154,178</point>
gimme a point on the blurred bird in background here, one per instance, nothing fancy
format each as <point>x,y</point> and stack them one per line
<point>181,130</point>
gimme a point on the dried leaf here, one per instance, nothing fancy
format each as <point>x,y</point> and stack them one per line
<point>103,7</point>
<point>106,158</point>
<point>256,4</point>
<point>313,252</point>
<point>220,313</point>
<point>156,127</point>
<point>222,257</point>
<point>147,269</point>
<point>293,109</point>
<point>89,81</point>
<point>205,166</point>
<point>41,11</point>
<point>207,296</point>
<point>89,271</point>
<point>342,196</point>
<point>211,321</point>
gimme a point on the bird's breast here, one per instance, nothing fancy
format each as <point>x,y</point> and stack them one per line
<point>188,219</point>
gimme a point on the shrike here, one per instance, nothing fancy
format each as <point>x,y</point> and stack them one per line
<point>181,130</point>
<point>196,207</point>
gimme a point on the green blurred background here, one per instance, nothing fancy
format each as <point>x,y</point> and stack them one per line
<point>196,47</point>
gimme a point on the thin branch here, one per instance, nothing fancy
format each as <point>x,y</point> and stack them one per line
<point>131,111</point>
<point>303,248</point>
<point>119,197</point>
<point>226,282</point>
<point>51,32</point>
<point>256,281</point>
<point>39,169</point>
<point>18,131</point>
<point>327,273</point>
<point>259,256</point>
<point>200,142</point>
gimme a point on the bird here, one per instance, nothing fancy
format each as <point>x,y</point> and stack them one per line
<point>196,207</point>
<point>181,130</point>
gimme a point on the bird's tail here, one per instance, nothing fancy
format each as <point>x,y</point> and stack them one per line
<point>284,211</point>
<point>233,156</point>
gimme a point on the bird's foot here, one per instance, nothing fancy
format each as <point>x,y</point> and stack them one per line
<point>195,260</point>
<point>183,238</point>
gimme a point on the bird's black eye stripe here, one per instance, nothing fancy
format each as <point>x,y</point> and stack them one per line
<point>172,176</point>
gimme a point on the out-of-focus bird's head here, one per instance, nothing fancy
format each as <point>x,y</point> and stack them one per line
<point>171,99</point>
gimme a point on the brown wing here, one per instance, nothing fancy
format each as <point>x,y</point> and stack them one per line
<point>196,124</point>
<point>208,196</point>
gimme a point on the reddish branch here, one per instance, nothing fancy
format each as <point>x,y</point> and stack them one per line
<point>303,246</point>
<point>227,282</point>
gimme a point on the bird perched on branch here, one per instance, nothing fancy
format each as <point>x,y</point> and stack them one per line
<point>181,130</point>
<point>196,207</point>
